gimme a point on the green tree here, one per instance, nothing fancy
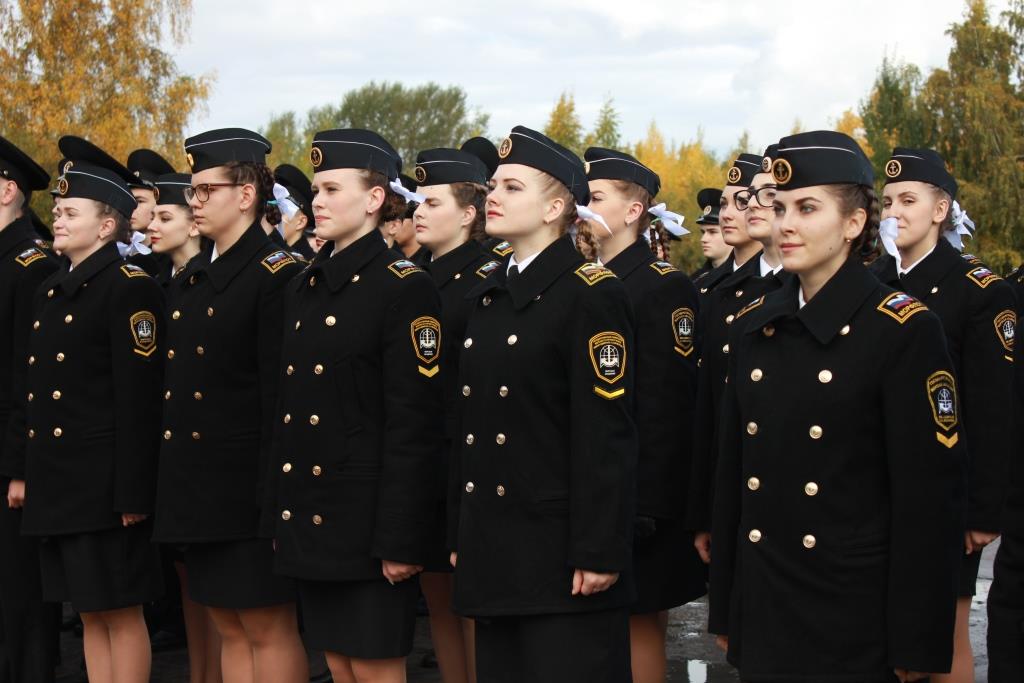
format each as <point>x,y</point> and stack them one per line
<point>290,144</point>
<point>564,125</point>
<point>410,118</point>
<point>606,128</point>
<point>891,113</point>
<point>743,145</point>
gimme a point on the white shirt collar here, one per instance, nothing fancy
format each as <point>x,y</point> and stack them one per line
<point>765,268</point>
<point>800,297</point>
<point>735,266</point>
<point>213,254</point>
<point>901,271</point>
<point>522,265</point>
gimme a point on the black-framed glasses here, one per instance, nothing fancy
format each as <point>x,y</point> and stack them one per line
<point>201,192</point>
<point>764,196</point>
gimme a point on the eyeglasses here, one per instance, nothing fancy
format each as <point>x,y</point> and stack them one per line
<point>201,193</point>
<point>764,196</point>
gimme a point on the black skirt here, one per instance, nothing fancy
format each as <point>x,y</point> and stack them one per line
<point>359,619</point>
<point>969,566</point>
<point>104,570</point>
<point>236,575</point>
<point>667,570</point>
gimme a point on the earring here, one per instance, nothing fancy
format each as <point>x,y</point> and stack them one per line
<point>848,240</point>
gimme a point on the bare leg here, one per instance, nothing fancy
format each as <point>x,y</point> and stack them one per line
<point>469,639</point>
<point>341,667</point>
<point>445,627</point>
<point>96,643</point>
<point>379,670</point>
<point>203,659</point>
<point>963,656</point>
<point>277,649</point>
<point>237,664</point>
<point>131,655</point>
<point>213,651</point>
<point>647,646</point>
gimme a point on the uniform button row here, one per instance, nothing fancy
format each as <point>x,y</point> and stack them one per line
<point>317,470</point>
<point>502,391</point>
<point>810,488</point>
<point>287,515</point>
<point>755,536</point>
<point>313,419</point>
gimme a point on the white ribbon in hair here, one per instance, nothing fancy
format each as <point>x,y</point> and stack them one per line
<point>588,215</point>
<point>887,232</point>
<point>962,226</point>
<point>284,202</point>
<point>399,189</point>
<point>672,221</point>
<point>136,245</point>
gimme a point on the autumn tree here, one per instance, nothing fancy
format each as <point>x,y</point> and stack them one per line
<point>606,129</point>
<point>891,113</point>
<point>288,140</point>
<point>96,68</point>
<point>849,122</point>
<point>564,125</point>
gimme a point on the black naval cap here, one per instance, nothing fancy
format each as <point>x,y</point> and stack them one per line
<point>88,181</point>
<point>924,165</point>
<point>743,170</point>
<point>441,166</point>
<point>19,167</point>
<point>81,150</point>
<point>298,185</point>
<point>354,148</point>
<point>709,200</point>
<point>170,188</point>
<point>608,164</point>
<point>823,157</point>
<point>771,152</point>
<point>223,146</point>
<point>536,150</point>
<point>146,165</point>
<point>484,150</point>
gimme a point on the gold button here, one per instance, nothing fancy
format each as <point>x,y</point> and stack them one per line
<point>501,490</point>
<point>486,301</point>
<point>470,439</point>
<point>312,281</point>
<point>317,470</point>
<point>815,432</point>
<point>512,339</point>
<point>176,315</point>
<point>298,324</point>
<point>457,276</point>
<point>209,311</point>
<point>60,357</point>
<point>318,369</point>
<point>192,280</point>
<point>810,541</point>
<point>825,376</point>
<point>318,520</point>
<point>739,293</point>
<point>703,290</point>
<point>756,374</point>
<point>200,350</point>
<point>466,391</point>
<point>198,396</point>
<point>286,515</point>
<point>167,435</point>
<point>56,395</point>
<point>753,483</point>
<point>330,320</point>
<point>725,349</point>
<point>314,420</point>
<point>68,318</point>
<point>35,325</point>
<point>729,319</point>
<point>768,330</point>
<point>466,344</point>
<point>287,418</point>
<point>167,395</point>
<point>49,294</point>
<point>845,331</point>
<point>195,435</point>
<point>503,391</point>
<point>751,428</point>
<point>935,290</point>
<point>31,396</point>
<point>286,468</point>
<point>32,359</point>
<point>500,439</point>
<point>355,278</point>
<point>469,487</point>
<point>57,432</point>
<point>31,433</point>
<point>170,353</point>
<point>754,535</point>
<point>811,489</point>
<point>290,369</point>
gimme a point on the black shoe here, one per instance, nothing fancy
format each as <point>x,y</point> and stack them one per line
<point>167,641</point>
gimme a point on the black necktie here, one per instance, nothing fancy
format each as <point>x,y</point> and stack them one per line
<point>513,274</point>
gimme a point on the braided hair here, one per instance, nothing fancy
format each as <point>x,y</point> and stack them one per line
<point>262,178</point>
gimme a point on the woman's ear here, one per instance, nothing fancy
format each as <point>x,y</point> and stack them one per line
<point>854,224</point>
<point>107,227</point>
<point>193,230</point>
<point>468,216</point>
<point>556,207</point>
<point>941,210</point>
<point>636,209</point>
<point>248,197</point>
<point>375,199</point>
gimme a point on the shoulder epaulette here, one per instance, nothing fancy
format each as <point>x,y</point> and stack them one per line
<point>592,273</point>
<point>971,258</point>
<point>749,307</point>
<point>900,306</point>
<point>277,260</point>
<point>487,268</point>
<point>982,276</point>
<point>44,245</point>
<point>132,270</point>
<point>299,257</point>
<point>29,256</point>
<point>664,267</point>
<point>502,249</point>
<point>404,267</point>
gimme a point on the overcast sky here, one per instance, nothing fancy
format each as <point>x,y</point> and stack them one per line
<point>721,66</point>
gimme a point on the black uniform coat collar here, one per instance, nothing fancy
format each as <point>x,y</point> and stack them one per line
<point>229,264</point>
<point>631,258</point>
<point>85,270</point>
<point>549,265</point>
<point>716,275</point>
<point>444,268</point>
<point>338,270</point>
<point>829,310</point>
<point>15,234</point>
<point>752,268</point>
<point>925,274</point>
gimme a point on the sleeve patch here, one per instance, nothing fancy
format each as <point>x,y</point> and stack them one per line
<point>592,273</point>
<point>276,261</point>
<point>982,276</point>
<point>426,343</point>
<point>29,256</point>
<point>942,396</point>
<point>608,356</point>
<point>900,306</point>
<point>682,330</point>
<point>487,268</point>
<point>143,324</point>
<point>664,267</point>
<point>749,307</point>
<point>404,267</point>
<point>132,270</point>
<point>1006,328</point>
<point>502,249</point>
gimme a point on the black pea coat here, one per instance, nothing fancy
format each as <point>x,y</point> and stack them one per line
<point>359,421</point>
<point>977,311</point>
<point>544,471</point>
<point>152,263</point>
<point>220,390</point>
<point>701,272</point>
<point>23,267</point>
<point>95,364</point>
<point>712,278</point>
<point>664,305</point>
<point>840,488</point>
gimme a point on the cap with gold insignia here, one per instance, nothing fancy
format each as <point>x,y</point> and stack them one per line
<point>299,186</point>
<point>170,188</point>
<point>87,181</point>
<point>354,148</point>
<point>20,168</point>
<point>768,158</point>
<point>709,200</point>
<point>441,166</point>
<point>823,157</point>
<point>536,150</point>
<point>609,164</point>
<point>923,165</point>
<point>743,170</point>
<point>484,150</point>
<point>146,165</point>
<point>224,145</point>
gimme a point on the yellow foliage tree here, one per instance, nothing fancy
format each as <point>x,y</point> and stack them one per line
<point>851,123</point>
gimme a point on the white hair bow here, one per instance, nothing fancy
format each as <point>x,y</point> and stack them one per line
<point>284,202</point>
<point>672,221</point>
<point>588,215</point>
<point>400,190</point>
<point>136,245</point>
<point>962,226</point>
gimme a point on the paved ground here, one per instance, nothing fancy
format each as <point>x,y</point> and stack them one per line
<point>693,657</point>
